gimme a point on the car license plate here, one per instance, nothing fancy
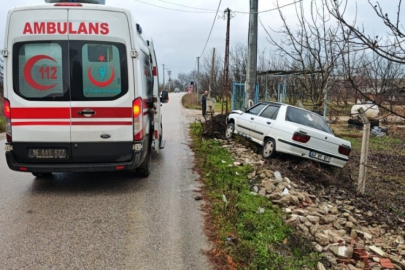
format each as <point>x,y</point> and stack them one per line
<point>319,156</point>
<point>47,153</point>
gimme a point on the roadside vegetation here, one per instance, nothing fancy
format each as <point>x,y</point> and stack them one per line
<point>247,230</point>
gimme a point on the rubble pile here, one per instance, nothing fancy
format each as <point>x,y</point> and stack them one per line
<point>214,126</point>
<point>345,235</point>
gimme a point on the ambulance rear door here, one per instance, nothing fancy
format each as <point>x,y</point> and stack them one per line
<point>37,85</point>
<point>102,91</point>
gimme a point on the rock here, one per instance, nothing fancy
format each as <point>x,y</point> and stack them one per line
<point>255,189</point>
<point>342,251</point>
<point>303,228</point>
<point>353,220</point>
<point>287,181</point>
<point>268,186</point>
<point>308,224</point>
<point>369,213</point>
<point>287,210</point>
<point>294,219</point>
<point>335,237</point>
<point>278,177</point>
<point>262,176</point>
<point>377,251</point>
<point>353,234</point>
<point>317,247</point>
<point>376,267</point>
<point>349,225</point>
<point>295,200</point>
<point>314,229</point>
<point>323,209</point>
<point>320,266</point>
<point>333,210</point>
<point>260,210</point>
<point>268,173</point>
<point>328,219</point>
<point>262,192</point>
<point>285,200</point>
<point>364,235</point>
<point>337,225</point>
<point>313,219</point>
<point>321,238</point>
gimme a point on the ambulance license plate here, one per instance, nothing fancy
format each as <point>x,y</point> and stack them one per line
<point>47,153</point>
<point>319,156</point>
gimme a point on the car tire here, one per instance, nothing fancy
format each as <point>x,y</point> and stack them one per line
<point>40,174</point>
<point>230,129</point>
<point>269,148</point>
<point>145,169</point>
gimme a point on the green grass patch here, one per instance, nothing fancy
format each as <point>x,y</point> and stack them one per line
<point>252,240</point>
<point>2,123</point>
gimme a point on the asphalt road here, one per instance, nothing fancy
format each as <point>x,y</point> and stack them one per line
<point>107,220</point>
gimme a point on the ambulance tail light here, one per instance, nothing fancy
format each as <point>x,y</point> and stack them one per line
<point>137,110</point>
<point>7,114</point>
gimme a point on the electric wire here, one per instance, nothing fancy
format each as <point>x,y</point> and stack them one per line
<point>272,9</point>
<point>212,10</point>
<point>174,9</point>
<point>213,23</point>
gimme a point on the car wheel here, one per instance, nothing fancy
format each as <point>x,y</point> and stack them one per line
<point>269,148</point>
<point>144,170</point>
<point>40,174</point>
<point>230,128</point>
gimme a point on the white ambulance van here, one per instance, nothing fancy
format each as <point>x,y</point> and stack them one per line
<point>81,90</point>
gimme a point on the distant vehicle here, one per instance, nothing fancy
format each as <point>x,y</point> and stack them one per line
<point>371,110</point>
<point>177,90</point>
<point>289,129</point>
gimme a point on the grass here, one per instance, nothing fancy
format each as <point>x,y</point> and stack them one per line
<point>2,123</point>
<point>247,239</point>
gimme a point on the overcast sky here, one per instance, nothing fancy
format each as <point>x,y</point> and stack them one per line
<point>180,32</point>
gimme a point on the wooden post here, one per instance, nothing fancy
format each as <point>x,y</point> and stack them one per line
<point>361,185</point>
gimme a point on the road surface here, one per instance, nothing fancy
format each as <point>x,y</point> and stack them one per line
<point>107,220</point>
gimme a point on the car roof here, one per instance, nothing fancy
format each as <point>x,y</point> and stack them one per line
<point>283,104</point>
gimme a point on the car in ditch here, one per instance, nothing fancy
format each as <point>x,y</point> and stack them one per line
<point>288,129</point>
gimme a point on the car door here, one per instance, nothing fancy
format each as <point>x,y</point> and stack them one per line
<point>264,122</point>
<point>102,94</point>
<point>245,122</point>
<point>39,90</point>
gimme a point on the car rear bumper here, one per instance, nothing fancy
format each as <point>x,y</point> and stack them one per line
<point>13,164</point>
<point>303,151</point>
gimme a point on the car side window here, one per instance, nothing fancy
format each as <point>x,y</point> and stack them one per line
<point>306,118</point>
<point>270,112</point>
<point>256,109</point>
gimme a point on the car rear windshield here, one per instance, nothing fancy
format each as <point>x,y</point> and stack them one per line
<point>307,118</point>
<point>75,70</point>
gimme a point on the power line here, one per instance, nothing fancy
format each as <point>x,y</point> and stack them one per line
<point>286,5</point>
<point>213,23</point>
<point>212,10</point>
<point>181,10</point>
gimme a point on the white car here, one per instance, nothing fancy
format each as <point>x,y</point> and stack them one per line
<point>289,129</point>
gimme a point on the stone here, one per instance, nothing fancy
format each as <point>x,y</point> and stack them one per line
<point>260,210</point>
<point>317,247</point>
<point>308,224</point>
<point>314,229</point>
<point>335,237</point>
<point>349,225</point>
<point>287,181</point>
<point>333,210</point>
<point>352,220</point>
<point>353,234</point>
<point>303,228</point>
<point>287,210</point>
<point>268,173</point>
<point>313,219</point>
<point>255,189</point>
<point>364,235</point>
<point>320,266</point>
<point>377,251</point>
<point>262,192</point>
<point>294,219</point>
<point>262,176</point>
<point>321,238</point>
<point>295,200</point>
<point>285,200</point>
<point>323,209</point>
<point>278,177</point>
<point>337,225</point>
<point>342,251</point>
<point>328,219</point>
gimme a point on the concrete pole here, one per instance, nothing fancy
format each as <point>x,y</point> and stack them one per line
<point>225,88</point>
<point>198,76</point>
<point>252,52</point>
<point>164,86</point>
<point>212,72</point>
<point>361,184</point>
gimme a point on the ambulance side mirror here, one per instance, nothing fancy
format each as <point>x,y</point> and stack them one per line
<point>164,96</point>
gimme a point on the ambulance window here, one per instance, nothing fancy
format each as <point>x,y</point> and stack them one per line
<point>41,72</point>
<point>147,80</point>
<point>98,70</point>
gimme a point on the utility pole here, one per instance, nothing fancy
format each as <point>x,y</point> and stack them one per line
<point>212,72</point>
<point>252,53</point>
<point>198,76</point>
<point>226,69</point>
<point>169,73</point>
<point>164,86</point>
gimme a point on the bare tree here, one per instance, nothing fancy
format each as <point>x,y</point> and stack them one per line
<point>390,47</point>
<point>314,46</point>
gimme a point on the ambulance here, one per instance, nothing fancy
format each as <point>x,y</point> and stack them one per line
<point>81,90</point>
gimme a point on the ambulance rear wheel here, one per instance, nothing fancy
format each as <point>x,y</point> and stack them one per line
<point>145,169</point>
